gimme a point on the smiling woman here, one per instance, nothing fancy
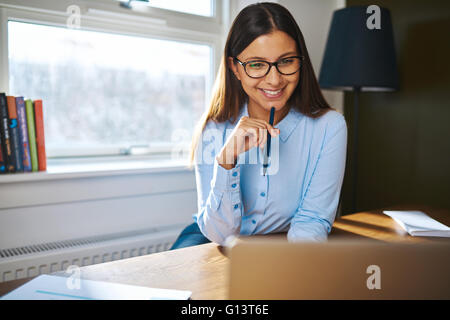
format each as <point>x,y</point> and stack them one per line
<point>266,86</point>
<point>266,65</point>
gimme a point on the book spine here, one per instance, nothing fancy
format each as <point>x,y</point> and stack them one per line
<point>6,142</point>
<point>40,136</point>
<point>14,133</point>
<point>31,134</point>
<point>23,130</point>
<point>2,162</point>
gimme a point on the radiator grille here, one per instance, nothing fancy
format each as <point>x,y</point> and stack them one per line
<point>73,243</point>
<point>12,252</point>
<point>35,259</point>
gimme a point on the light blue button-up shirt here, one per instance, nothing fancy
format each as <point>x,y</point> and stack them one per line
<point>298,195</point>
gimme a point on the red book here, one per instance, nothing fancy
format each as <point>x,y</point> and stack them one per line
<point>40,138</point>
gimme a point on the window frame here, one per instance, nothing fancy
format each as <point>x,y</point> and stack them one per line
<point>139,2</point>
<point>108,16</point>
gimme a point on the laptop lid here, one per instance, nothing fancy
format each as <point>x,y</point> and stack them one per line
<point>275,269</point>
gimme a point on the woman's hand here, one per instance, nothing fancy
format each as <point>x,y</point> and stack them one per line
<point>248,133</point>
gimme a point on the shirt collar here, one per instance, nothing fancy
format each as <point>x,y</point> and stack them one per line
<point>286,125</point>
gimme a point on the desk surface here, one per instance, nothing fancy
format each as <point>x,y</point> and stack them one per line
<point>203,269</point>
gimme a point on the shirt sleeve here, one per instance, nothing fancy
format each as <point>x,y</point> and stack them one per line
<point>218,191</point>
<point>315,215</point>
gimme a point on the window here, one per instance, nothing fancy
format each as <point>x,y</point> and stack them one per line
<point>106,91</point>
<point>199,7</point>
<point>114,89</point>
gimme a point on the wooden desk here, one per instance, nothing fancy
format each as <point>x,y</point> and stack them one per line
<point>375,225</point>
<point>203,269</point>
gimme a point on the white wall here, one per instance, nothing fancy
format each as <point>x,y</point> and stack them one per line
<point>313,18</point>
<point>44,207</point>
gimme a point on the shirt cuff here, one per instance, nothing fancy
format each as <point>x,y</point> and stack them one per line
<point>226,180</point>
<point>308,231</point>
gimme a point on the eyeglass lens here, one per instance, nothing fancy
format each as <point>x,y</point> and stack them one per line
<point>285,66</point>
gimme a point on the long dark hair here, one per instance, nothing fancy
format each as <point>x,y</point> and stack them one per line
<point>228,96</point>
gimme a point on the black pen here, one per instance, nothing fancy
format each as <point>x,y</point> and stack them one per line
<point>267,153</point>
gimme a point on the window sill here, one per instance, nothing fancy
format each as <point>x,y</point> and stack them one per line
<point>64,169</point>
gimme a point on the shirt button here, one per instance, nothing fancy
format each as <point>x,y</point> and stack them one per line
<point>233,185</point>
<point>234,174</point>
<point>253,221</point>
<point>236,206</point>
<point>263,194</point>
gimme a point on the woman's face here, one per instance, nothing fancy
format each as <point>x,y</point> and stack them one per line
<point>274,89</point>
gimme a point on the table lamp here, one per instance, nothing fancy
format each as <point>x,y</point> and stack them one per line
<point>359,56</point>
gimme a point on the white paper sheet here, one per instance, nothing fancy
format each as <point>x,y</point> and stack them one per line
<point>48,287</point>
<point>418,223</point>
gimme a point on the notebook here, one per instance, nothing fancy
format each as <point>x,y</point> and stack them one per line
<point>50,287</point>
<point>418,223</point>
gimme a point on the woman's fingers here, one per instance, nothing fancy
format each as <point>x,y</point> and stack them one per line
<point>260,136</point>
<point>273,131</point>
<point>264,129</point>
<point>248,133</point>
<point>253,133</point>
<point>264,139</point>
<point>263,124</point>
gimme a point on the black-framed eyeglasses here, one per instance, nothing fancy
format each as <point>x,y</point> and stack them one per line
<point>260,68</point>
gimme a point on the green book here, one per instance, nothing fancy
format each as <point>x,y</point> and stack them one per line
<point>31,134</point>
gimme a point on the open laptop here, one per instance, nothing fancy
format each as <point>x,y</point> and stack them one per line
<point>275,269</point>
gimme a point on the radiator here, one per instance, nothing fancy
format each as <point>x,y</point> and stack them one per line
<point>35,259</point>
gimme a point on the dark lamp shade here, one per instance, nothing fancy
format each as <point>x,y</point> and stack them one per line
<point>359,57</point>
